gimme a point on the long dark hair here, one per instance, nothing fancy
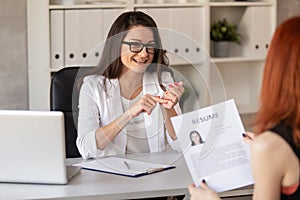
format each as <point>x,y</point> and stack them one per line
<point>201,141</point>
<point>110,65</point>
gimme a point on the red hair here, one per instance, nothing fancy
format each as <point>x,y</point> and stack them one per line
<point>280,93</point>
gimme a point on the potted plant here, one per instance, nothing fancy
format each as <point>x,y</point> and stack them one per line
<point>222,33</point>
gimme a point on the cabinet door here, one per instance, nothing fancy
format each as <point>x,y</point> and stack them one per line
<point>256,24</point>
<point>182,32</point>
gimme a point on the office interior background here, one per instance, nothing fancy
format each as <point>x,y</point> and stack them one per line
<point>13,48</point>
<point>13,51</point>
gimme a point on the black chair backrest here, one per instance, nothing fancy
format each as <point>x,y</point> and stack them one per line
<point>64,97</point>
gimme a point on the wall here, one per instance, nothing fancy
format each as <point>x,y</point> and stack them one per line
<point>13,63</point>
<point>287,9</point>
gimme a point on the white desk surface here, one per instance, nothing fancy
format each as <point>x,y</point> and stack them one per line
<point>96,185</point>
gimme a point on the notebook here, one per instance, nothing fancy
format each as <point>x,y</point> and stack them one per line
<point>32,147</point>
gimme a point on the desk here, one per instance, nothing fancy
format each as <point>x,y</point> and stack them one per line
<point>96,185</point>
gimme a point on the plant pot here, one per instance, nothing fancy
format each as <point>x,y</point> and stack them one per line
<point>221,49</point>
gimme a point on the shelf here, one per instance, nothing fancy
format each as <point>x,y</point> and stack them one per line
<point>241,72</point>
<point>85,6</point>
<point>236,59</point>
<point>54,70</point>
<point>168,5</point>
<point>232,3</point>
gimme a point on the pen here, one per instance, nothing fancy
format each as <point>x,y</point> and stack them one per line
<point>125,163</point>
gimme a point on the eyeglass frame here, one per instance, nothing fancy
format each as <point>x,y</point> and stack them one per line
<point>142,46</point>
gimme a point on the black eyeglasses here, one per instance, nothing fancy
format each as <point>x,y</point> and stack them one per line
<point>137,47</point>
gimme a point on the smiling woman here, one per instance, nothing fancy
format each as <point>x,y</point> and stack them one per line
<point>127,100</point>
<point>138,50</point>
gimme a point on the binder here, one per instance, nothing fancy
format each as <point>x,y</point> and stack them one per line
<point>57,39</point>
<point>124,166</point>
<point>256,34</point>
<point>83,31</point>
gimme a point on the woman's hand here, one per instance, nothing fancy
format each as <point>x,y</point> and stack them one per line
<point>146,104</point>
<point>202,193</point>
<point>248,137</point>
<point>173,95</point>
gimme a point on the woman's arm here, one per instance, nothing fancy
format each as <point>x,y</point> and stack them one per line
<point>106,134</point>
<point>91,137</point>
<point>172,96</point>
<point>92,134</point>
<point>269,158</point>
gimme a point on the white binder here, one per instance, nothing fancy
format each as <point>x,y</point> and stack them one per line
<point>57,39</point>
<point>256,32</point>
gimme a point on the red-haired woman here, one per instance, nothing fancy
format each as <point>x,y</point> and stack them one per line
<point>275,151</point>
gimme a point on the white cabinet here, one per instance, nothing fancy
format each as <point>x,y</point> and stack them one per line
<point>242,71</point>
<point>75,30</point>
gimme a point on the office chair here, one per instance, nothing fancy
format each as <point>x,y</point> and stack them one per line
<point>64,97</point>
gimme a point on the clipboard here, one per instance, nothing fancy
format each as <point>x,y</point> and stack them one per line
<point>124,166</point>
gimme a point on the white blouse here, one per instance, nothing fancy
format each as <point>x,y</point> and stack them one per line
<point>137,141</point>
<point>98,108</point>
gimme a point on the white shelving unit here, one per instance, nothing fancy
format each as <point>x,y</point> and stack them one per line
<point>66,35</point>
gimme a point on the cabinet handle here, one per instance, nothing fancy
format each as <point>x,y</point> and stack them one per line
<point>84,55</point>
<point>187,50</point>
<point>56,56</point>
<point>257,46</point>
<point>71,55</point>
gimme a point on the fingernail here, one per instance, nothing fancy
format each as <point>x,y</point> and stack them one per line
<point>170,85</point>
<point>175,83</point>
<point>203,181</point>
<point>167,92</point>
<point>244,135</point>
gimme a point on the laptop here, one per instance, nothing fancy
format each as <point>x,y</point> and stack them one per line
<point>32,147</point>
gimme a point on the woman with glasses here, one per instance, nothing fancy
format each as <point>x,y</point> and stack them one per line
<point>275,150</point>
<point>126,103</point>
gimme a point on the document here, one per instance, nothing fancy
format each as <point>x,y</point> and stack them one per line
<point>213,147</point>
<point>124,167</point>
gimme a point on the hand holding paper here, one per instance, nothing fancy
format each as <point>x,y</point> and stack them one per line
<point>223,158</point>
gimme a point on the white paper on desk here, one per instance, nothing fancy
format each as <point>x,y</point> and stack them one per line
<point>124,167</point>
<point>223,159</point>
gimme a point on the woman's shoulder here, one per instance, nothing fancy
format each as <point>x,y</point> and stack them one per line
<point>270,146</point>
<point>93,79</point>
<point>267,141</point>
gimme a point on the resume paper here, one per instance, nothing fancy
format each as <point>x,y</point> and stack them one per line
<point>213,147</point>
